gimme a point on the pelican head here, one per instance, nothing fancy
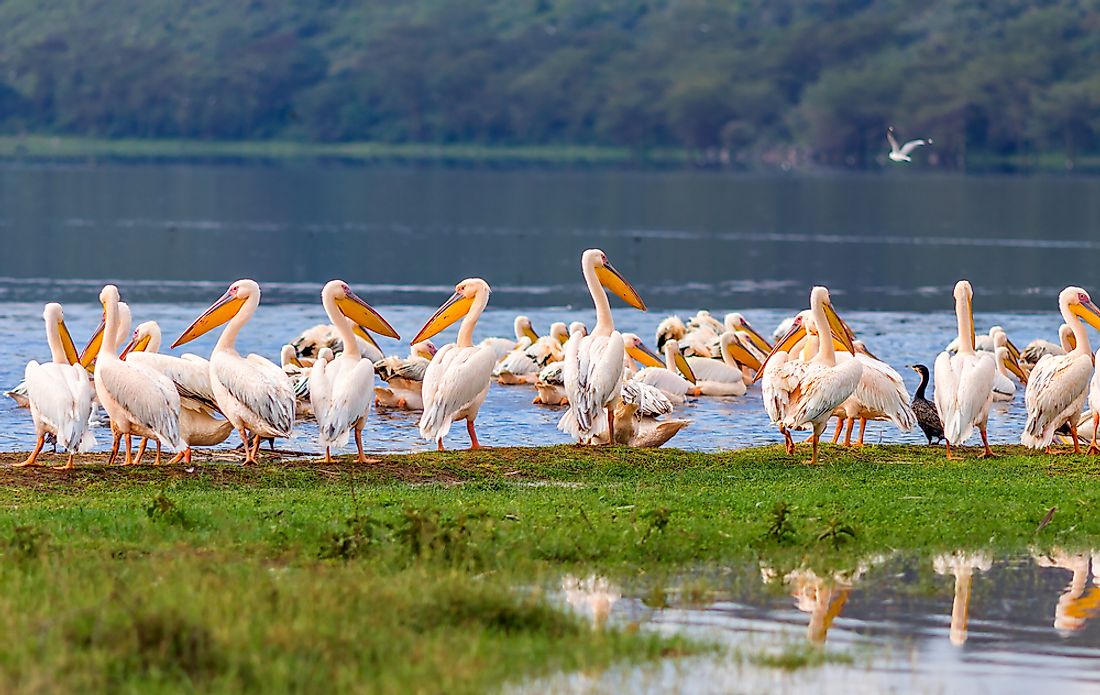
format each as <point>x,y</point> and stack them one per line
<point>524,327</point>
<point>640,351</point>
<point>578,326</point>
<point>225,308</point>
<point>672,327</point>
<point>795,333</point>
<point>964,302</point>
<point>732,346</point>
<point>455,308</point>
<point>610,278</point>
<point>735,321</point>
<point>108,295</point>
<point>559,331</point>
<point>146,337</point>
<point>676,357</point>
<point>356,310</point>
<point>54,315</point>
<point>1077,302</point>
<point>1004,355</point>
<point>288,357</point>
<point>819,296</point>
<point>425,349</point>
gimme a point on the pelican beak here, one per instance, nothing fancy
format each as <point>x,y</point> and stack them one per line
<point>785,344</point>
<point>969,308</point>
<point>91,350</point>
<point>756,339</point>
<point>227,306</point>
<point>67,343</point>
<point>839,329</point>
<point>530,333</point>
<point>1014,366</point>
<point>838,344</point>
<point>563,339</point>
<point>136,344</point>
<point>297,362</point>
<point>644,355</point>
<point>683,366</point>
<point>742,355</point>
<point>870,354</point>
<point>363,314</point>
<point>1013,350</point>
<point>365,335</point>
<point>1088,312</point>
<point>616,283</point>
<point>452,310</point>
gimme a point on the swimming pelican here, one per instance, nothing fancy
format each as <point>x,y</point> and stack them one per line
<point>457,380</point>
<point>927,416</point>
<point>736,322</point>
<point>671,327</point>
<point>1058,385</point>
<point>720,377</point>
<point>522,365</point>
<point>901,154</point>
<point>253,393</point>
<point>59,393</point>
<point>404,378</point>
<point>1039,348</point>
<point>502,346</point>
<point>1004,386</point>
<point>199,424</point>
<point>593,368</point>
<point>964,381</point>
<point>665,375</point>
<point>138,400</point>
<point>814,391</point>
<point>341,391</point>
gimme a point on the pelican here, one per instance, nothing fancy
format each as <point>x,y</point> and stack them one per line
<point>1004,386</point>
<point>783,328</point>
<point>721,377</point>
<point>309,343</point>
<point>593,368</point>
<point>881,395</point>
<point>502,346</point>
<point>59,393</point>
<point>1039,348</point>
<point>404,378</point>
<point>139,400</point>
<point>901,153</point>
<point>550,386</point>
<point>190,374</point>
<point>299,377</point>
<point>457,380</point>
<point>672,327</point>
<point>253,393</point>
<point>927,416</point>
<point>577,326</point>
<point>664,375</point>
<point>341,391</point>
<point>964,381</point>
<point>783,369</point>
<point>522,365</point>
<point>1059,384</point>
<point>636,417</point>
<point>814,391</point>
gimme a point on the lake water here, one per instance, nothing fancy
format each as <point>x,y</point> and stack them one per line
<point>890,248</point>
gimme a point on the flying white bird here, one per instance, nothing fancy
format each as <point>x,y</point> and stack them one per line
<point>901,154</point>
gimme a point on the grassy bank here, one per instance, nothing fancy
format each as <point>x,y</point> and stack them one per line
<point>71,148</point>
<point>418,572</point>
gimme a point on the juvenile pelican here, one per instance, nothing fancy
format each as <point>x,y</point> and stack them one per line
<point>457,380</point>
<point>964,381</point>
<point>1058,385</point>
<point>815,391</point>
<point>636,417</point>
<point>341,391</point>
<point>253,393</point>
<point>593,368</point>
<point>138,400</point>
<point>199,424</point>
<point>59,393</point>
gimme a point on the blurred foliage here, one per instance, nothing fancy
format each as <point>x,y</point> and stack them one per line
<point>771,80</point>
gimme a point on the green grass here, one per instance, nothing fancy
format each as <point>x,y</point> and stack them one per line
<point>64,147</point>
<point>422,573</point>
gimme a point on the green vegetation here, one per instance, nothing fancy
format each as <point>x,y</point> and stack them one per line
<point>775,81</point>
<point>424,572</point>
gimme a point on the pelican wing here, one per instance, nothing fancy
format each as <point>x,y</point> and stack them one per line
<point>709,369</point>
<point>650,400</point>
<point>821,390</point>
<point>150,398</point>
<point>453,380</point>
<point>260,386</point>
<point>190,376</point>
<point>964,392</point>
<point>412,369</point>
<point>593,374</point>
<point>881,390</point>
<point>499,347</point>
<point>664,379</point>
<point>61,396</point>
<point>348,387</point>
<point>1056,391</point>
<point>552,374</point>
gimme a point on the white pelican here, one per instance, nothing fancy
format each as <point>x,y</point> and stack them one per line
<point>901,153</point>
<point>636,417</point>
<point>309,343</point>
<point>1038,348</point>
<point>199,424</point>
<point>664,375</point>
<point>809,394</point>
<point>594,363</point>
<point>550,385</point>
<point>404,378</point>
<point>341,391</point>
<point>59,393</point>
<point>138,400</point>
<point>299,377</point>
<point>252,392</point>
<point>577,326</point>
<point>502,346</point>
<point>1058,386</point>
<point>1004,386</point>
<point>783,369</point>
<point>522,365</point>
<point>720,377</point>
<point>880,395</point>
<point>964,381</point>
<point>736,322</point>
<point>783,328</point>
<point>457,380</point>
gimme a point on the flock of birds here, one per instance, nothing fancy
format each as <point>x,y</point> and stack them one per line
<point>615,389</point>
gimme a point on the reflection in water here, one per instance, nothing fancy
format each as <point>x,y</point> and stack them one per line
<point>592,597</point>
<point>822,597</point>
<point>963,565</point>
<point>1078,602</point>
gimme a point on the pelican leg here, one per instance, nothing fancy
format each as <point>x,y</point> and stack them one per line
<point>862,430</point>
<point>473,435</point>
<point>1094,448</point>
<point>839,427</point>
<point>156,461</point>
<point>988,453</point>
<point>68,464</point>
<point>244,445</point>
<point>32,460</point>
<point>178,457</point>
<point>610,427</point>
<point>813,457</point>
<point>256,448</point>
<point>949,456</point>
<point>1073,433</point>
<point>141,451</point>
<point>328,456</point>
<point>851,423</point>
<point>128,461</point>
<point>114,447</point>
<point>362,458</point>
<point>789,445</point>
<point>439,444</point>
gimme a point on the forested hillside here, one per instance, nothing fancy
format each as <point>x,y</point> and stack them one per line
<point>765,79</point>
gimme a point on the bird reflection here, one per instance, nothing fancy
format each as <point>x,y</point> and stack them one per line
<point>823,597</point>
<point>592,597</point>
<point>1078,602</point>
<point>962,565</point>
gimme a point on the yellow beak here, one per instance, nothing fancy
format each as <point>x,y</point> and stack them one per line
<point>452,310</point>
<point>365,335</point>
<point>1014,367</point>
<point>758,340</point>
<point>530,333</point>
<point>617,284</point>
<point>91,350</point>
<point>1013,350</point>
<point>645,356</point>
<point>363,314</point>
<point>970,317</point>
<point>785,344</point>
<point>135,345</point>
<point>1087,312</point>
<point>742,355</point>
<point>682,364</point>
<point>839,329</point>
<point>227,306</point>
<point>67,343</point>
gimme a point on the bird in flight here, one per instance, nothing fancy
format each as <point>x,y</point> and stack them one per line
<point>901,154</point>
